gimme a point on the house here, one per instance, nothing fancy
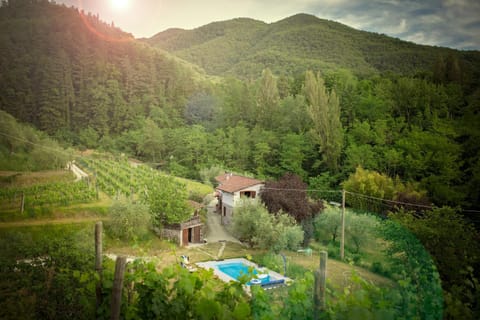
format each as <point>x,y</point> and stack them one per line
<point>189,231</point>
<point>231,189</point>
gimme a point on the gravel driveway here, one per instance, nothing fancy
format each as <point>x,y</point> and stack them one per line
<point>215,230</point>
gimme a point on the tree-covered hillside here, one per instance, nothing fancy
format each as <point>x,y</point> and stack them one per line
<point>244,47</point>
<point>67,71</point>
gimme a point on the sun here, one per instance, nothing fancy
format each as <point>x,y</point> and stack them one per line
<point>119,4</point>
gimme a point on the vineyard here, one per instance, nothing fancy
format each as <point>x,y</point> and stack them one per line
<point>46,195</point>
<point>120,178</point>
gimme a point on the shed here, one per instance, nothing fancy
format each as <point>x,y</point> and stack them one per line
<point>188,231</point>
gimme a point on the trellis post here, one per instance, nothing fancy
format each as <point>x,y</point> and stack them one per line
<point>319,302</point>
<point>98,261</point>
<point>117,287</point>
<point>342,238</point>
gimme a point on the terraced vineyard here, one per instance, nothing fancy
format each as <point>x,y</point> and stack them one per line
<point>120,178</point>
<point>47,195</point>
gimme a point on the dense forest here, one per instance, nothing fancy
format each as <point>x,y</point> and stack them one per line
<point>66,71</point>
<point>336,107</point>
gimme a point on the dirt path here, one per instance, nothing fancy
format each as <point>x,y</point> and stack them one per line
<point>216,231</point>
<point>79,173</point>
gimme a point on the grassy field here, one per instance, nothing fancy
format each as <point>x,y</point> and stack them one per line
<point>196,187</point>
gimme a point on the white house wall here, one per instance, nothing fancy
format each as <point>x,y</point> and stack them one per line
<point>229,201</point>
<point>236,196</point>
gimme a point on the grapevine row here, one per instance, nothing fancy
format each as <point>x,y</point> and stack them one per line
<point>50,194</point>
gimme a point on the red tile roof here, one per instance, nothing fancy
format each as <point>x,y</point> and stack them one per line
<point>231,183</point>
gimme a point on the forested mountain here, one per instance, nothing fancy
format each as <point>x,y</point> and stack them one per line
<point>243,47</point>
<point>66,70</point>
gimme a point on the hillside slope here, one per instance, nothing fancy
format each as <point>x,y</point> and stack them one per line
<point>67,71</point>
<point>243,47</point>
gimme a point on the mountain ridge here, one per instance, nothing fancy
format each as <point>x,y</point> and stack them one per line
<point>281,45</point>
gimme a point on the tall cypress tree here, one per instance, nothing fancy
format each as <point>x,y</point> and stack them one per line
<point>324,110</point>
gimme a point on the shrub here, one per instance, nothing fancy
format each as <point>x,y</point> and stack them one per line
<point>327,224</point>
<point>128,220</point>
<point>253,224</point>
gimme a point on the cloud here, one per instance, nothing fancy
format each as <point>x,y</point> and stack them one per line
<point>453,23</point>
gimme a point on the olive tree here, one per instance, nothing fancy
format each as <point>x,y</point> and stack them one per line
<point>128,220</point>
<point>254,225</point>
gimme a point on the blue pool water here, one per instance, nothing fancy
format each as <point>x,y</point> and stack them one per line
<point>236,269</point>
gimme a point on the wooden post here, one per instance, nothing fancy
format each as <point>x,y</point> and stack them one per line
<point>98,261</point>
<point>22,206</point>
<point>320,286</point>
<point>342,239</point>
<point>117,287</point>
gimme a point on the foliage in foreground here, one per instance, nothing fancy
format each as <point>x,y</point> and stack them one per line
<point>60,284</point>
<point>415,273</point>
<point>407,262</point>
<point>453,244</point>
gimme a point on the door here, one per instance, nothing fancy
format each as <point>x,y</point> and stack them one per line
<point>196,234</point>
<point>184,237</point>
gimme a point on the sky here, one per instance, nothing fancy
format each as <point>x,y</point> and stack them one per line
<point>447,23</point>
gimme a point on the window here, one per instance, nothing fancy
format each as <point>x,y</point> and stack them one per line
<point>248,194</point>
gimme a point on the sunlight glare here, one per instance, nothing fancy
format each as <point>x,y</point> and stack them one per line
<point>119,4</point>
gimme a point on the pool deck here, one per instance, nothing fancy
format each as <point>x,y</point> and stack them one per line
<point>213,265</point>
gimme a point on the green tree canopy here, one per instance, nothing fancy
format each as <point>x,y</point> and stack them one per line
<point>128,220</point>
<point>167,200</point>
<point>324,110</point>
<point>253,224</point>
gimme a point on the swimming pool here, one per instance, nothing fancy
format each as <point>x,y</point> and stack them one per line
<point>231,269</point>
<point>238,269</point>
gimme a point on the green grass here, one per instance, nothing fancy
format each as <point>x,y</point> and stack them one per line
<point>196,187</point>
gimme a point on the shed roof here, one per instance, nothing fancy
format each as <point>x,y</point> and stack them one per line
<point>195,205</point>
<point>231,183</point>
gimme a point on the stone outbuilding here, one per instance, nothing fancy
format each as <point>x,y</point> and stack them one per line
<point>189,231</point>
